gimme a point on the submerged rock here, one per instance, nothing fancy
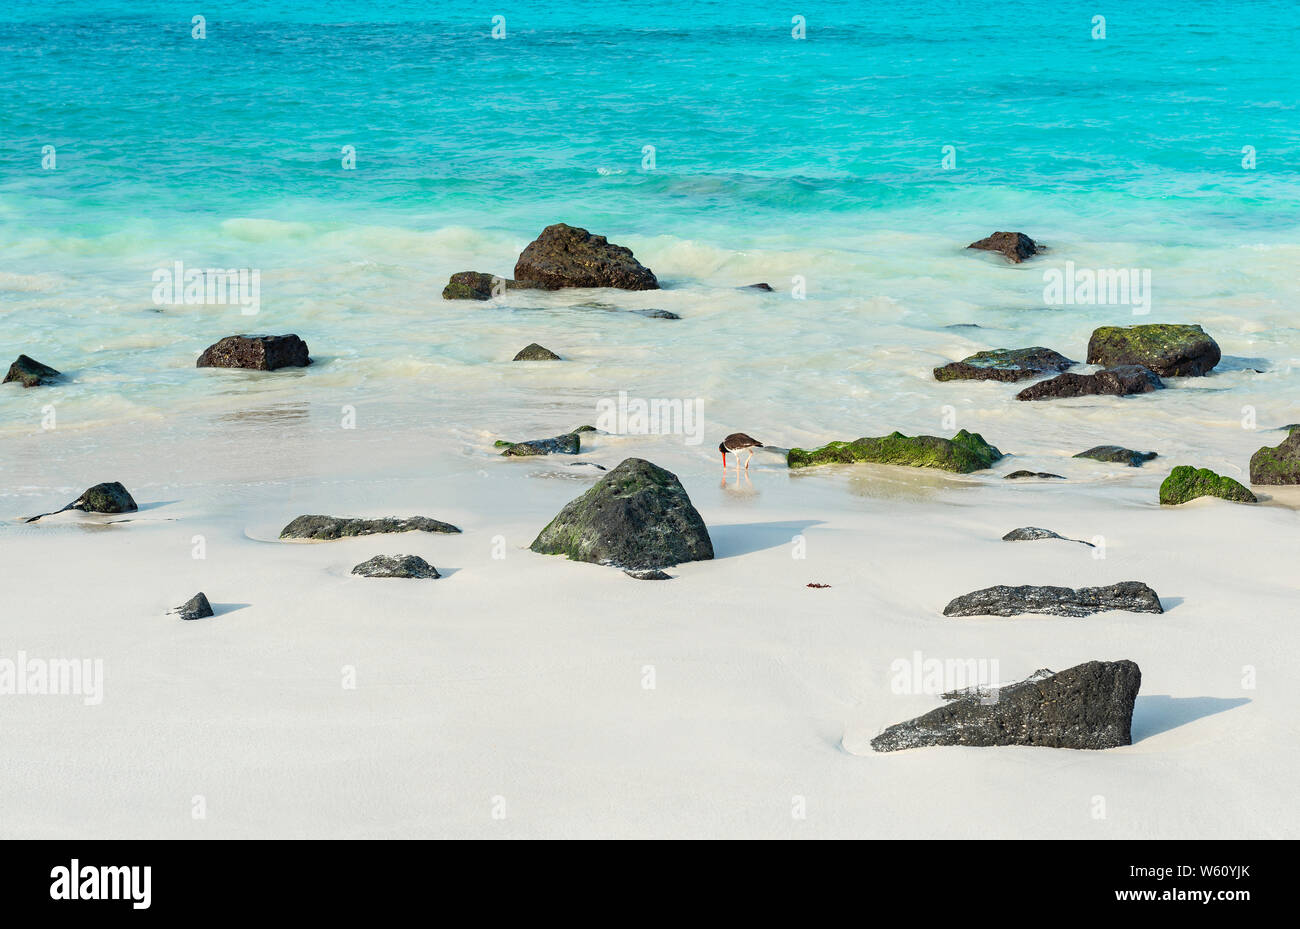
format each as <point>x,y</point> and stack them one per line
<point>567,444</point>
<point>1022,473</point>
<point>963,453</point>
<point>197,607</point>
<point>654,574</point>
<point>534,352</point>
<point>328,528</point>
<point>759,286</point>
<point>658,314</point>
<point>567,256</point>
<point>1277,465</point>
<point>1002,600</point>
<point>110,497</point>
<point>259,352</point>
<point>1004,364</point>
<point>1118,382</point>
<point>636,516</point>
<point>1116,454</point>
<point>29,372</point>
<point>1016,246</point>
<point>1186,483</point>
<point>1033,534</point>
<point>411,566</point>
<point>1168,349</point>
<point>475,285</point>
<point>1089,706</point>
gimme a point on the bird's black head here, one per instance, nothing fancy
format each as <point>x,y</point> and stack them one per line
<point>722,448</point>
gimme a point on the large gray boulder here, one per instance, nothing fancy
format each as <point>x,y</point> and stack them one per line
<point>566,256</point>
<point>637,516</point>
<point>259,352</point>
<point>1168,349</point>
<point>328,528</point>
<point>1003,600</point>
<point>1089,706</point>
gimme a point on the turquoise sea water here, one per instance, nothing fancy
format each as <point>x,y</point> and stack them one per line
<point>773,158</point>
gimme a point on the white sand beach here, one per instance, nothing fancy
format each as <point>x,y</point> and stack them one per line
<point>530,696</point>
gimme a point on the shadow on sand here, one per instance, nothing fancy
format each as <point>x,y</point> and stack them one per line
<point>1160,713</point>
<point>743,538</point>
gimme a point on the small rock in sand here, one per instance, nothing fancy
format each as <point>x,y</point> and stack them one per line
<point>1022,473</point>
<point>1033,534</point>
<point>328,528</point>
<point>110,497</point>
<point>654,574</point>
<point>197,607</point>
<point>1089,706</point>
<point>411,566</point>
<point>1002,600</point>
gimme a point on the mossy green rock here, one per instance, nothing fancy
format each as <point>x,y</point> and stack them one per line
<point>637,516</point>
<point>963,453</point>
<point>1186,483</point>
<point>1279,465</point>
<point>1168,349</point>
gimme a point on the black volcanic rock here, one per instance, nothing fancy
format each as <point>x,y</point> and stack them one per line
<point>534,352</point>
<point>408,566</point>
<point>474,285</point>
<point>1116,454</point>
<point>259,352</point>
<point>1119,382</point>
<point>567,256</point>
<point>1016,246</point>
<point>328,528</point>
<point>29,372</point>
<point>1002,600</point>
<point>1004,364</point>
<point>197,607</point>
<point>1089,706</point>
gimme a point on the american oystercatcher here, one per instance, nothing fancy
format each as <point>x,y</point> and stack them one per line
<point>734,443</point>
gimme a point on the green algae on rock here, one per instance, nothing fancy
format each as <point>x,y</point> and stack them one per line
<point>1277,465</point>
<point>963,453</point>
<point>637,517</point>
<point>1168,349</point>
<point>1186,483</point>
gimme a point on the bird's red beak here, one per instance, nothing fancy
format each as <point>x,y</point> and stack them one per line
<point>724,459</point>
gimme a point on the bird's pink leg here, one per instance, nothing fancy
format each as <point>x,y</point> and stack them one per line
<point>749,459</point>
